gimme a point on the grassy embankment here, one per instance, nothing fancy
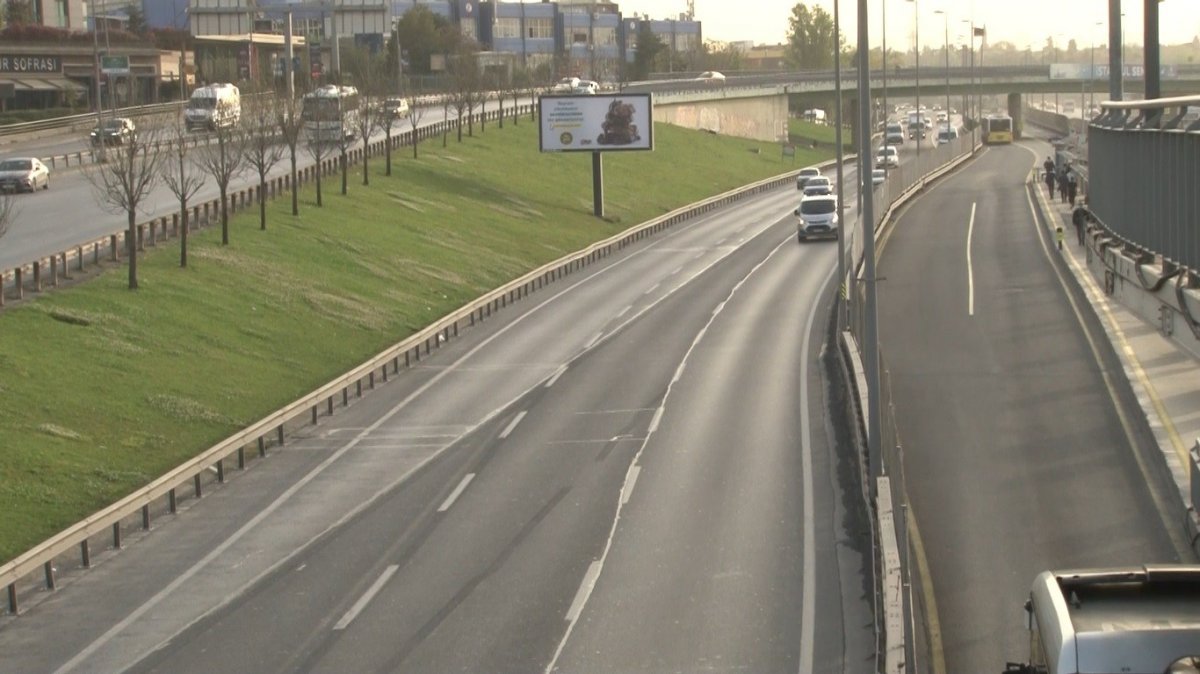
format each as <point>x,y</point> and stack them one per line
<point>803,133</point>
<point>103,389</point>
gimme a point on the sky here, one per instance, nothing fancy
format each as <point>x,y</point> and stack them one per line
<point>1022,22</point>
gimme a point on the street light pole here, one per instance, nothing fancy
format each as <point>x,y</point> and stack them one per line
<point>946,47</point>
<point>843,310</point>
<point>917,49</point>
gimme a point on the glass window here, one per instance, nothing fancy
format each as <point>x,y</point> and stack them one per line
<point>507,27</point>
<point>579,38</point>
<point>539,28</point>
<point>468,29</point>
<point>604,35</point>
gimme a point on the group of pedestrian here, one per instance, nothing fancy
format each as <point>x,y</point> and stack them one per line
<point>1064,178</point>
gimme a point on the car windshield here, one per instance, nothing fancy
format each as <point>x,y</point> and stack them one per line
<point>16,165</point>
<point>114,125</point>
<point>820,181</point>
<point>817,206</point>
<point>810,172</point>
<point>202,103</point>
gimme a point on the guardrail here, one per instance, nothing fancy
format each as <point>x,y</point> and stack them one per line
<point>86,119</point>
<point>135,510</point>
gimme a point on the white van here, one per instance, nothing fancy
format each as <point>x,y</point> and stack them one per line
<point>818,217</point>
<point>815,115</point>
<point>946,134</point>
<point>215,106</point>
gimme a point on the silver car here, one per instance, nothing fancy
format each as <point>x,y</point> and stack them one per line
<point>23,174</point>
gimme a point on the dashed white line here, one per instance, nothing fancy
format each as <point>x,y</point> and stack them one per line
<point>654,422</point>
<point>627,491</point>
<point>462,486</point>
<point>584,591</point>
<point>554,378</point>
<point>592,342</point>
<point>676,270</point>
<point>512,424</point>
<point>624,311</point>
<point>366,598</point>
<point>652,288</point>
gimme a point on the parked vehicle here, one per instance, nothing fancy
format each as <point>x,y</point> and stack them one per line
<point>815,115</point>
<point>817,218</point>
<point>23,174</point>
<point>215,106</point>
<point>116,131</point>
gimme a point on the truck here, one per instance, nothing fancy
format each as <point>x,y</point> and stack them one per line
<point>212,107</point>
<point>1134,620</point>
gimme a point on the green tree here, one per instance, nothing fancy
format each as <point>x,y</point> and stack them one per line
<point>649,47</point>
<point>422,34</point>
<point>810,38</point>
<point>136,22</point>
<point>721,56</point>
<point>18,13</point>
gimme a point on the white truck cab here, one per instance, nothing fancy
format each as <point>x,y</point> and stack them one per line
<point>213,106</point>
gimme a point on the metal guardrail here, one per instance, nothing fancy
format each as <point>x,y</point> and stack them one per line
<point>1143,180</point>
<point>308,408</point>
<point>87,118</point>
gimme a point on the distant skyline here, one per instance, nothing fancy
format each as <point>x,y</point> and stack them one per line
<point>1022,22</point>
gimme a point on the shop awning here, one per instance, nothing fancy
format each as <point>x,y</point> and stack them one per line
<point>44,84</point>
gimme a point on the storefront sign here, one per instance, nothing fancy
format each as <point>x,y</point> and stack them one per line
<point>11,63</point>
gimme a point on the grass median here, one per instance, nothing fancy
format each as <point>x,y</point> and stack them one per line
<point>103,389</point>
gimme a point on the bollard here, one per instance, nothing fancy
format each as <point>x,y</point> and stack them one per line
<point>329,405</point>
<point>37,277</point>
<point>175,224</point>
<point>241,458</point>
<point>262,448</point>
<point>172,504</point>
<point>48,567</point>
<point>115,254</point>
<point>280,432</point>
<point>116,531</point>
<point>141,238</point>
<point>197,486</point>
<point>66,274</point>
<point>79,257</point>
<point>146,517</point>
<point>12,598</point>
<point>54,271</point>
<point>85,552</point>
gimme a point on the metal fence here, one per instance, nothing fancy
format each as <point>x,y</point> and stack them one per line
<point>1143,165</point>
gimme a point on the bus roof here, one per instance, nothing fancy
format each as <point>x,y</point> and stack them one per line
<point>1137,620</point>
<point>331,91</point>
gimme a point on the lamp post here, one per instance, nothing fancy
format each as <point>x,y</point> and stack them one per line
<point>1092,72</point>
<point>969,112</point>
<point>946,48</point>
<point>917,49</point>
<point>837,122</point>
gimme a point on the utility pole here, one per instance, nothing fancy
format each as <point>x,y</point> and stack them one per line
<point>289,70</point>
<point>97,101</point>
<point>917,49</point>
<point>843,297</point>
<point>1115,56</point>
<point>867,218</point>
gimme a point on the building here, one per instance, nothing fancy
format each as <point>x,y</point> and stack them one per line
<point>67,14</point>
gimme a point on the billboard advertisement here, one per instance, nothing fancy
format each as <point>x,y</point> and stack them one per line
<point>600,123</point>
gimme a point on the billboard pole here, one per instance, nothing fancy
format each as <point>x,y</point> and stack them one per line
<point>598,184</point>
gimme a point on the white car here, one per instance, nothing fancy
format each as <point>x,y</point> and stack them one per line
<point>712,77</point>
<point>395,107</point>
<point>805,175</point>
<point>587,88</point>
<point>887,156</point>
<point>818,218</point>
<point>23,174</point>
<point>818,186</point>
<point>566,85</point>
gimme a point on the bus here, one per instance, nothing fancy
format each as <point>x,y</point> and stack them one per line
<point>1141,620</point>
<point>997,129</point>
<point>330,113</point>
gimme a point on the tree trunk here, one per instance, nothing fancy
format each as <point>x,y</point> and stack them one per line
<point>345,173</point>
<point>183,233</point>
<point>366,180</point>
<point>460,128</point>
<point>516,109</point>
<point>224,215</point>
<point>318,174</point>
<point>131,244</point>
<point>295,186</point>
<point>500,116</point>
<point>387,151</point>
<point>262,201</point>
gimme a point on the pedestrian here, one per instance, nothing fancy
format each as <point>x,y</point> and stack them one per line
<point>1062,184</point>
<point>1050,180</point>
<point>1072,186</point>
<point>1079,218</point>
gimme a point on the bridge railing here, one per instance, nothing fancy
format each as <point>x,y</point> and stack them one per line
<point>1143,161</point>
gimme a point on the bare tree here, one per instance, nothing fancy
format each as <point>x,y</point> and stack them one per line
<point>415,112</point>
<point>387,119</point>
<point>319,149</point>
<point>224,159</point>
<point>344,142</point>
<point>263,150</point>
<point>181,176</point>
<point>289,120</point>
<point>370,76</point>
<point>447,104</point>
<point>125,180</point>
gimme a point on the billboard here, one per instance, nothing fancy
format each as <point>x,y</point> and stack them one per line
<point>600,123</point>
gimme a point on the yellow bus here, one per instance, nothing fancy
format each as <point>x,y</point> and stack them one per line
<point>997,129</point>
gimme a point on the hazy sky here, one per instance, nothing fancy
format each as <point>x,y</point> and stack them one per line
<point>1022,22</point>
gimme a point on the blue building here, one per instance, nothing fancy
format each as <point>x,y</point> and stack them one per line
<point>591,41</point>
<point>528,31</point>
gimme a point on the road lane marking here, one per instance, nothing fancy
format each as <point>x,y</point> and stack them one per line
<point>366,598</point>
<point>654,422</point>
<point>676,270</point>
<point>462,486</point>
<point>970,269</point>
<point>595,338</point>
<point>512,424</point>
<point>1130,363</point>
<point>584,591</point>
<point>458,365</point>
<point>627,490</point>
<point>624,311</point>
<point>557,373</point>
<point>934,627</point>
<point>652,288</point>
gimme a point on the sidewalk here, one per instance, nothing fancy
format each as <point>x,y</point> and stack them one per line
<point>1163,375</point>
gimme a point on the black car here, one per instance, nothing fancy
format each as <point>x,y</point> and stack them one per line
<point>116,131</point>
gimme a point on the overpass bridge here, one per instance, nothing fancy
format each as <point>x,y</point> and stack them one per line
<point>757,106</point>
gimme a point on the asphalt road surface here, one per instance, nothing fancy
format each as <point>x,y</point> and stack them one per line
<point>1023,444</point>
<point>631,470</point>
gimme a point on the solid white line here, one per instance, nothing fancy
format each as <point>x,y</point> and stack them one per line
<point>970,269</point>
<point>627,491</point>
<point>654,422</point>
<point>557,373</point>
<point>512,424</point>
<point>366,598</point>
<point>462,486</point>
<point>584,591</point>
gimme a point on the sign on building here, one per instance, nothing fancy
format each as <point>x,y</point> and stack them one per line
<point>114,65</point>
<point>596,123</point>
<point>12,63</point>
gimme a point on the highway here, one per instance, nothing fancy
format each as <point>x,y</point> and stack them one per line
<point>68,213</point>
<point>1024,447</point>
<point>640,468</point>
